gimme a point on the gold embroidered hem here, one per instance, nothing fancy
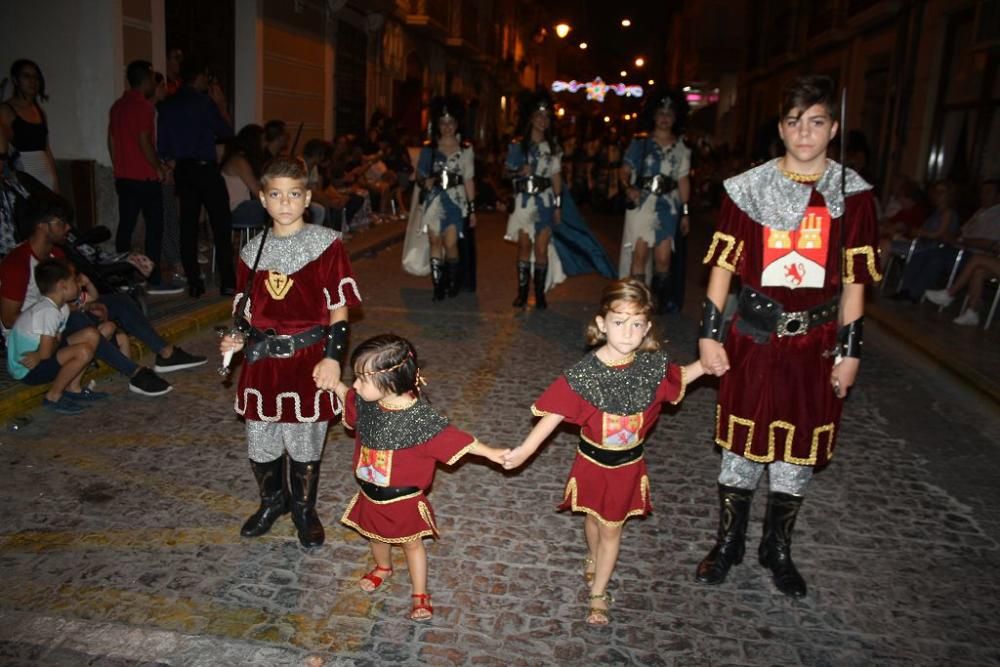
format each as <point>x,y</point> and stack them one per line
<point>570,496</point>
<point>425,515</point>
<point>775,430</point>
<point>539,413</point>
<point>723,260</point>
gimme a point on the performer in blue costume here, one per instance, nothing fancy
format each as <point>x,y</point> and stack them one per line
<point>545,222</point>
<point>655,173</point>
<point>445,171</point>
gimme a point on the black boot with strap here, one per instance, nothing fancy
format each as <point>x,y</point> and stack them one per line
<point>304,480</point>
<point>734,513</point>
<point>775,551</point>
<point>270,478</point>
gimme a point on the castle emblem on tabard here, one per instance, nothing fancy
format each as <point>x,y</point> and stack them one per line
<point>797,258</point>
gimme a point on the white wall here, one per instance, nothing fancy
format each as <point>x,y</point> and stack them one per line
<point>78,46</point>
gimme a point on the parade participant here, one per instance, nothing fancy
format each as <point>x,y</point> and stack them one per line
<point>655,173</point>
<point>614,395</point>
<point>399,440</point>
<point>445,171</point>
<point>295,288</point>
<point>544,211</point>
<point>795,230</point>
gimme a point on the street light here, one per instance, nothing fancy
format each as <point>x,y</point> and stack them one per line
<point>651,82</point>
<point>639,62</point>
<point>562,29</point>
<point>583,46</point>
<point>607,119</point>
<point>626,23</point>
<point>623,73</point>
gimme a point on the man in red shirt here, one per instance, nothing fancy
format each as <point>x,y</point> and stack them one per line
<point>138,171</point>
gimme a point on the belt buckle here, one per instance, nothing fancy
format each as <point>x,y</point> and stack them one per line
<point>656,185</point>
<point>445,179</point>
<point>280,346</point>
<point>530,186</point>
<point>792,324</point>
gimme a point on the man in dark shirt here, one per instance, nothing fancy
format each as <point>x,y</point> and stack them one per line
<point>190,124</point>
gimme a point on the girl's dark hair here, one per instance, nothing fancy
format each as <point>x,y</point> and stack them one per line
<point>15,71</point>
<point>634,293</point>
<point>808,91</point>
<point>247,144</point>
<point>438,105</point>
<point>678,104</point>
<point>389,361</point>
<point>528,103</point>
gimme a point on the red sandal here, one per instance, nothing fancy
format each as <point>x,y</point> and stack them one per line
<point>423,603</point>
<point>374,579</point>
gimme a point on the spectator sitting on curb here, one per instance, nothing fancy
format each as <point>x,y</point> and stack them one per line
<point>39,353</point>
<point>44,225</point>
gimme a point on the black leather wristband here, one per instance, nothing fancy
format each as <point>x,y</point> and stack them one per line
<point>336,342</point>
<point>849,338</point>
<point>711,321</point>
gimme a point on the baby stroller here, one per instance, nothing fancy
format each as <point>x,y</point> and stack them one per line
<point>110,272</point>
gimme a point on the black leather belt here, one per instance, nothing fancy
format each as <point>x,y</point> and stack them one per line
<point>268,343</point>
<point>611,457</point>
<point>448,179</point>
<point>532,184</point>
<point>385,493</point>
<point>761,316</point>
<point>658,185</point>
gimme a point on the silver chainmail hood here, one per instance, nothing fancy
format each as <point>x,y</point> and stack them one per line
<point>288,254</point>
<point>772,200</point>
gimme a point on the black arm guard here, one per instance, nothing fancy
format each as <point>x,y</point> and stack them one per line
<point>711,321</point>
<point>849,338</point>
<point>336,342</point>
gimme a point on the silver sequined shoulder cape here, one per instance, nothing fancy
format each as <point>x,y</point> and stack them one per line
<point>772,200</point>
<point>288,254</point>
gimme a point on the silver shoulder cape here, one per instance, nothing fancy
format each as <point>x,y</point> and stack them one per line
<point>772,200</point>
<point>288,254</point>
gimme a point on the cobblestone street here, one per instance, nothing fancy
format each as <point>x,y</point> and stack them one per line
<point>120,538</point>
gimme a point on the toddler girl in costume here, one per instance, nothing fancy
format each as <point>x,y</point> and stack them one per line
<point>399,440</point>
<point>614,394</point>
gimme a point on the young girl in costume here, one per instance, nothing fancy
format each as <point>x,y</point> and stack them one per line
<point>614,394</point>
<point>399,440</point>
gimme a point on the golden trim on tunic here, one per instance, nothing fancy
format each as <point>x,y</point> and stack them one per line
<point>723,259</point>
<point>421,507</point>
<point>680,396</point>
<point>462,452</point>
<point>829,429</point>
<point>571,490</point>
<point>869,253</point>
<point>728,441</point>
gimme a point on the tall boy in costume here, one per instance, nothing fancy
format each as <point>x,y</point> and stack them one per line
<point>800,232</point>
<point>298,286</point>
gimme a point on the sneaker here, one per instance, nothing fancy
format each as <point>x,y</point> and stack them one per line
<point>178,361</point>
<point>168,287</point>
<point>970,318</point>
<point>86,395</point>
<point>148,383</point>
<point>939,297</point>
<point>64,406</point>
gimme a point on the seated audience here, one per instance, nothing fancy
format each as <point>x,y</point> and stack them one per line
<point>45,226</point>
<point>241,167</point>
<point>38,352</point>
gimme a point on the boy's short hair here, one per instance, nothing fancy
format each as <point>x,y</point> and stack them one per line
<point>285,167</point>
<point>49,272</point>
<point>137,72</point>
<point>808,91</point>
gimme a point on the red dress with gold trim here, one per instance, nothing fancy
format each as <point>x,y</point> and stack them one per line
<point>775,403</point>
<point>411,516</point>
<point>611,493</point>
<point>299,281</point>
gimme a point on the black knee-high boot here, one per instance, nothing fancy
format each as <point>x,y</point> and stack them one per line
<point>454,276</point>
<point>304,479</point>
<point>270,478</point>
<point>734,512</point>
<point>437,278</point>
<point>661,292</point>
<point>775,551</point>
<point>541,271</point>
<point>523,280</point>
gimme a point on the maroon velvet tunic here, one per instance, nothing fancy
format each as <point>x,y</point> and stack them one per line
<point>776,403</point>
<point>612,494</point>
<point>409,517</point>
<point>282,390</point>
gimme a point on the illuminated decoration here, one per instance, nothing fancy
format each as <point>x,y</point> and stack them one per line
<point>597,89</point>
<point>562,30</point>
<point>699,97</point>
